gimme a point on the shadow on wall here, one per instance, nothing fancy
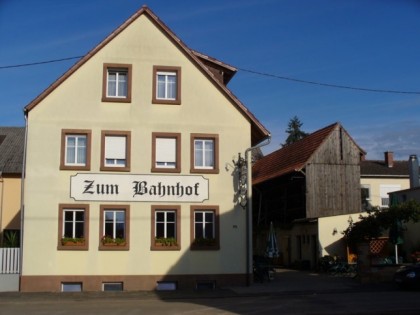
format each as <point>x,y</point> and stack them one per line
<point>337,249</point>
<point>229,255</point>
<point>10,236</point>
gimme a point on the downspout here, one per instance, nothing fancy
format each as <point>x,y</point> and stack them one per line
<point>22,206</point>
<point>249,244</point>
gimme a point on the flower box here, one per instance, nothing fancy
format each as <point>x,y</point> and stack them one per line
<point>109,241</point>
<point>68,241</point>
<point>165,242</point>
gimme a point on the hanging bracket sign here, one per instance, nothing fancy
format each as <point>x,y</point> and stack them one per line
<point>141,188</point>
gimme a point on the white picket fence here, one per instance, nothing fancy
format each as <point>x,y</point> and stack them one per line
<point>9,260</point>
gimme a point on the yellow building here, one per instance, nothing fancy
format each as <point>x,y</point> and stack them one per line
<point>11,162</point>
<point>129,181</point>
<point>379,178</point>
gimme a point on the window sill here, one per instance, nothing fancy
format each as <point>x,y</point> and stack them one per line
<point>204,171</point>
<point>116,99</point>
<point>73,246</point>
<point>166,102</point>
<point>115,169</point>
<point>74,168</point>
<point>165,170</point>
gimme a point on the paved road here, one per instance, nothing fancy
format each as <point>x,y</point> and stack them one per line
<point>290,293</point>
<point>386,302</point>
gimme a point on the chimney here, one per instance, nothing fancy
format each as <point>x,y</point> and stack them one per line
<point>413,168</point>
<point>389,159</point>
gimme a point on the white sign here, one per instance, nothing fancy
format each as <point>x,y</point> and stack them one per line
<point>132,187</point>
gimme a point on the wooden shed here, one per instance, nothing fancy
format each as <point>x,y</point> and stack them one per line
<point>318,176</point>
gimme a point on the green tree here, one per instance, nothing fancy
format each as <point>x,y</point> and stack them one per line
<point>378,221</point>
<point>294,132</point>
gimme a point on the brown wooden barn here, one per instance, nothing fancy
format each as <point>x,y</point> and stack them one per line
<point>297,185</point>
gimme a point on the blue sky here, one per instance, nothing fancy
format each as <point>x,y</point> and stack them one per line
<point>369,44</point>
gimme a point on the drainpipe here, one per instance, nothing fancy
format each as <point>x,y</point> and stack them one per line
<point>249,244</point>
<point>22,206</point>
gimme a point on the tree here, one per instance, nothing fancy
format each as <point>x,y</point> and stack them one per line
<point>378,221</point>
<point>294,132</point>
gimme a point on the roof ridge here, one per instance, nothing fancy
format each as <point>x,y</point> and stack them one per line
<point>307,138</point>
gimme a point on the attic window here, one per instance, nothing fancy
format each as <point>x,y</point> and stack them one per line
<point>2,137</point>
<point>116,85</point>
<point>166,85</point>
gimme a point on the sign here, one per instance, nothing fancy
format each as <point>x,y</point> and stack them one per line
<point>141,188</point>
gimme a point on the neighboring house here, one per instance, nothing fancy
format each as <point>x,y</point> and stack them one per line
<point>411,235</point>
<point>129,177</point>
<point>309,190</point>
<point>11,163</point>
<point>379,178</point>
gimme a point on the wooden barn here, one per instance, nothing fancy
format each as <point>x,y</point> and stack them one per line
<point>309,190</point>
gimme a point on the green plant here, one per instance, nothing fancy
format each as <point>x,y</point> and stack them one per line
<point>378,221</point>
<point>108,240</point>
<point>201,241</point>
<point>11,239</point>
<point>75,240</point>
<point>166,241</point>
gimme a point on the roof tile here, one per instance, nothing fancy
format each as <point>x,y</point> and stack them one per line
<point>291,157</point>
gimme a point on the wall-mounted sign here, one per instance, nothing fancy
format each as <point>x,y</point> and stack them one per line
<point>131,187</point>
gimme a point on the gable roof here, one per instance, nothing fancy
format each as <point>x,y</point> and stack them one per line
<point>11,149</point>
<point>293,157</point>
<point>258,131</point>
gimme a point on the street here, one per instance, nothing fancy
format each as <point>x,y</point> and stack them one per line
<point>383,302</point>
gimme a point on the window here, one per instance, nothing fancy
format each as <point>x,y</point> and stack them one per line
<point>205,228</point>
<point>166,85</point>
<point>116,86</point>
<point>365,190</point>
<point>384,190</point>
<point>73,227</point>
<point>165,228</point>
<point>114,227</point>
<point>204,153</point>
<point>115,151</point>
<point>166,285</point>
<point>166,152</point>
<point>71,287</point>
<point>75,149</point>
<point>112,286</point>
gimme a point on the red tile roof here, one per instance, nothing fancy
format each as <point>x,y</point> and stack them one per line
<point>290,158</point>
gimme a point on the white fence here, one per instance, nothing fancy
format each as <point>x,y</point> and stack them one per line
<point>9,260</point>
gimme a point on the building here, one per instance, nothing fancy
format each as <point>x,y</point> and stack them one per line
<point>411,236</point>
<point>11,163</point>
<point>309,190</point>
<point>379,178</point>
<point>129,181</point>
